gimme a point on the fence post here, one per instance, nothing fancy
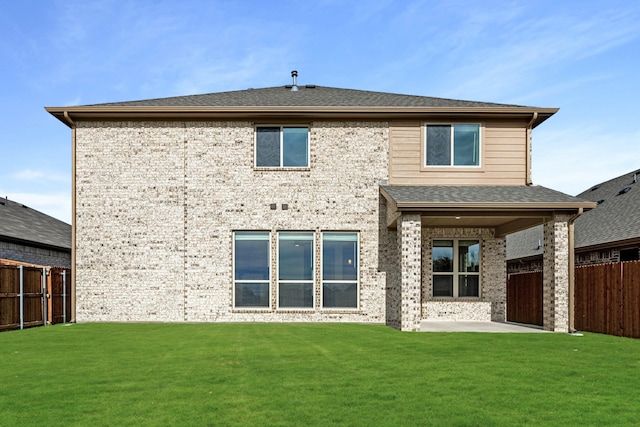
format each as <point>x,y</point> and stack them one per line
<point>44,296</point>
<point>64,296</point>
<point>21,298</point>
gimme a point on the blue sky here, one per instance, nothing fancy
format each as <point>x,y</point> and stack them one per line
<point>581,56</point>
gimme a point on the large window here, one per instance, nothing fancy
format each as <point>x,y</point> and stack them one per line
<point>282,146</point>
<point>456,268</point>
<point>452,145</point>
<point>251,272</point>
<point>295,269</point>
<point>339,270</point>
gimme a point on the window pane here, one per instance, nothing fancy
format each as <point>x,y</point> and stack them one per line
<point>442,286</point>
<point>251,256</point>
<point>340,295</point>
<point>466,146</point>
<point>442,256</point>
<point>295,256</point>
<point>268,146</point>
<point>468,286</point>
<point>340,256</point>
<point>439,145</point>
<point>252,294</point>
<point>469,256</point>
<point>295,295</point>
<point>295,147</point>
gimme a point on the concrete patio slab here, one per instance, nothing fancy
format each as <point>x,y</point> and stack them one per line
<point>464,326</point>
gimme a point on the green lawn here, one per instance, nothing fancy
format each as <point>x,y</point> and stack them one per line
<point>312,374</point>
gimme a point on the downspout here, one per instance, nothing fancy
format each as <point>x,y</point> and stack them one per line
<point>73,215</point>
<point>528,180</point>
<point>572,272</point>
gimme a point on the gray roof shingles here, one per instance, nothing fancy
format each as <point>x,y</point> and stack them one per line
<point>507,194</point>
<point>616,218</point>
<point>21,223</point>
<point>316,96</point>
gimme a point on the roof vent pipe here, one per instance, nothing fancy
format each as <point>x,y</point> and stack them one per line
<point>635,177</point>
<point>294,74</point>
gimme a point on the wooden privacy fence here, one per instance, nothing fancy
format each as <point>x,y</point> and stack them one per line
<point>33,296</point>
<point>524,298</point>
<point>607,299</point>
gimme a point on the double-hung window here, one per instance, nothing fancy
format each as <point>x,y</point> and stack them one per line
<point>295,269</point>
<point>452,145</point>
<point>282,146</point>
<point>340,270</point>
<point>456,268</point>
<point>251,269</point>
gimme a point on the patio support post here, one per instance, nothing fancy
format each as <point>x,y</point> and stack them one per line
<point>555,294</point>
<point>410,247</point>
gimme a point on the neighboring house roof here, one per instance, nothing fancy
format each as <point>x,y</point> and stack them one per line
<point>23,225</point>
<point>616,219</point>
<point>307,101</point>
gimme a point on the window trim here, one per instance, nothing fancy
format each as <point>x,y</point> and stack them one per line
<point>233,271</point>
<point>281,165</point>
<point>313,271</point>
<point>423,148</point>
<point>456,274</point>
<point>357,281</point>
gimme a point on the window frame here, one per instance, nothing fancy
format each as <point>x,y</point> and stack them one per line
<point>455,273</point>
<point>233,271</point>
<point>287,281</point>
<point>322,273</point>
<point>281,147</point>
<point>451,164</point>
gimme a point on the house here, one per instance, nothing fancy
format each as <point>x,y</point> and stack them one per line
<point>31,237</point>
<point>608,233</point>
<point>304,203</point>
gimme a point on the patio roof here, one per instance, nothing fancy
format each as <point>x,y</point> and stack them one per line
<point>505,208</point>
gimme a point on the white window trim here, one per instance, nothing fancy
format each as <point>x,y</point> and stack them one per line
<point>452,124</point>
<point>281,166</point>
<point>456,274</point>
<point>322,281</point>
<point>313,272</point>
<point>233,272</point>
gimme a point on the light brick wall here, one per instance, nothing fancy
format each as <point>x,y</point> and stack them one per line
<point>158,202</point>
<point>492,302</point>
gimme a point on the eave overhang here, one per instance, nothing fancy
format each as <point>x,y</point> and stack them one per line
<point>68,115</point>
<point>504,217</point>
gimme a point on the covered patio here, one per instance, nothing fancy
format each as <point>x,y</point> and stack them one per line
<point>451,255</point>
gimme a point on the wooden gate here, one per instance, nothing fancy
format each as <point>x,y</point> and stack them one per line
<point>524,298</point>
<point>21,297</point>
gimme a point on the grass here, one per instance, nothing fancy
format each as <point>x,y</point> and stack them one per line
<point>312,374</point>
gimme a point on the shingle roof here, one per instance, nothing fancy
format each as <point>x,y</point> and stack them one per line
<point>21,223</point>
<point>616,218</point>
<point>471,194</point>
<point>319,96</point>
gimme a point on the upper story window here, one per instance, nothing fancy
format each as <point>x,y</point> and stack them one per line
<point>282,146</point>
<point>452,145</point>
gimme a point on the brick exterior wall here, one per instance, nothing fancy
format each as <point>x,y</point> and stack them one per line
<point>157,204</point>
<point>37,256</point>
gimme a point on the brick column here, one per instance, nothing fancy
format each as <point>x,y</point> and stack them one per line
<point>409,245</point>
<point>555,294</point>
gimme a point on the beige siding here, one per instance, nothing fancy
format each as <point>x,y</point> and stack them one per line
<point>504,152</point>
